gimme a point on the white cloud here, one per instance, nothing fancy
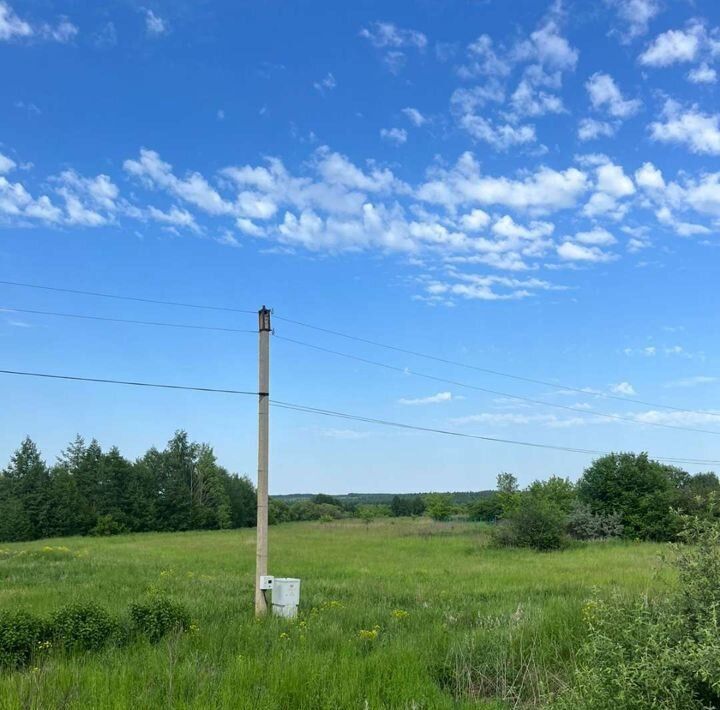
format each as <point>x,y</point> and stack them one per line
<point>475,220</point>
<point>698,131</point>
<point>13,27</point>
<point>544,190</point>
<point>414,116</point>
<point>485,288</point>
<point>17,202</point>
<point>326,84</point>
<point>483,60</point>
<point>570,251</point>
<point>611,179</point>
<point>393,40</point>
<point>154,24</point>
<point>595,237</point>
<point>649,177</point>
<point>605,95</point>
<point>674,46</point>
<point>635,16</point>
<point>623,388</point>
<point>386,34</point>
<point>590,128</point>
<point>703,74</point>
<point>397,136</point>
<point>6,164</point>
<point>174,217</point>
<point>547,46</point>
<point>506,227</point>
<point>432,399</point>
<point>154,172</point>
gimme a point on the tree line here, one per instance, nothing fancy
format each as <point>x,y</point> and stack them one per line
<point>619,495</point>
<point>89,491</point>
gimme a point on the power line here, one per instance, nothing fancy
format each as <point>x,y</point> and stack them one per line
<point>343,415</point>
<point>108,381</point>
<point>464,435</point>
<point>489,371</point>
<point>124,320</point>
<point>126,298</point>
<point>457,383</point>
<point>375,343</point>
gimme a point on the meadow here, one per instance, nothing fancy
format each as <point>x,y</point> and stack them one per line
<point>397,613</point>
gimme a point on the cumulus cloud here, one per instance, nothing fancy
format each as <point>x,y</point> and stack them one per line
<point>634,16</point>
<point>674,46</point>
<point>6,164</point>
<point>698,131</point>
<point>605,95</point>
<point>13,27</point>
<point>544,190</point>
<point>414,116</point>
<point>394,41</point>
<point>590,129</point>
<point>571,251</point>
<point>623,388</point>
<point>703,74</point>
<point>396,136</point>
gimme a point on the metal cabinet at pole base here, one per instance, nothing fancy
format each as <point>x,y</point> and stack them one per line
<point>285,596</point>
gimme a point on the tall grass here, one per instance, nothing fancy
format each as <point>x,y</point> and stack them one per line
<point>484,627</point>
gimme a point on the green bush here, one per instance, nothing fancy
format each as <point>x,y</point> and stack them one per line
<point>83,626</point>
<point>20,635</point>
<point>536,522</point>
<point>661,654</point>
<point>583,524</point>
<point>158,616</point>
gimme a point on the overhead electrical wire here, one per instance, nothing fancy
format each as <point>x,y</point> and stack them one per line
<point>574,410</point>
<point>465,435</point>
<point>161,324</point>
<point>447,361</point>
<point>342,415</point>
<point>100,294</point>
<point>107,381</point>
<point>498,373</point>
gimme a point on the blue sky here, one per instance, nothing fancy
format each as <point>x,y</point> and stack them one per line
<point>532,189</point>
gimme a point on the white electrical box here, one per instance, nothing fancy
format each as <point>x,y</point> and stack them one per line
<point>285,596</point>
<point>266,582</point>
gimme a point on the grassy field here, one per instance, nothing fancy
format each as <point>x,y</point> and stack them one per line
<point>483,627</point>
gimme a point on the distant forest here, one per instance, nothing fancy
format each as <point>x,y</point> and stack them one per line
<point>92,492</point>
<point>88,491</point>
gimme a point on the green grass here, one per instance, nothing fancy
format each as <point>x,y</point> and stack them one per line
<point>485,628</point>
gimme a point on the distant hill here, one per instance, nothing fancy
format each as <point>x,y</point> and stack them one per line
<point>459,497</point>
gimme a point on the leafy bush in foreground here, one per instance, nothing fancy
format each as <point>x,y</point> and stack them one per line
<point>20,633</point>
<point>662,654</point>
<point>158,616</point>
<point>83,627</point>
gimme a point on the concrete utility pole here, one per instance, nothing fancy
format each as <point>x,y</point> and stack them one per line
<point>261,558</point>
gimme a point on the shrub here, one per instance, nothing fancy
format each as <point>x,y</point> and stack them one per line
<point>536,523</point>
<point>20,634</point>
<point>641,490</point>
<point>488,508</point>
<point>107,525</point>
<point>157,616</point>
<point>439,506</point>
<point>662,654</point>
<point>83,626</point>
<point>583,524</point>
